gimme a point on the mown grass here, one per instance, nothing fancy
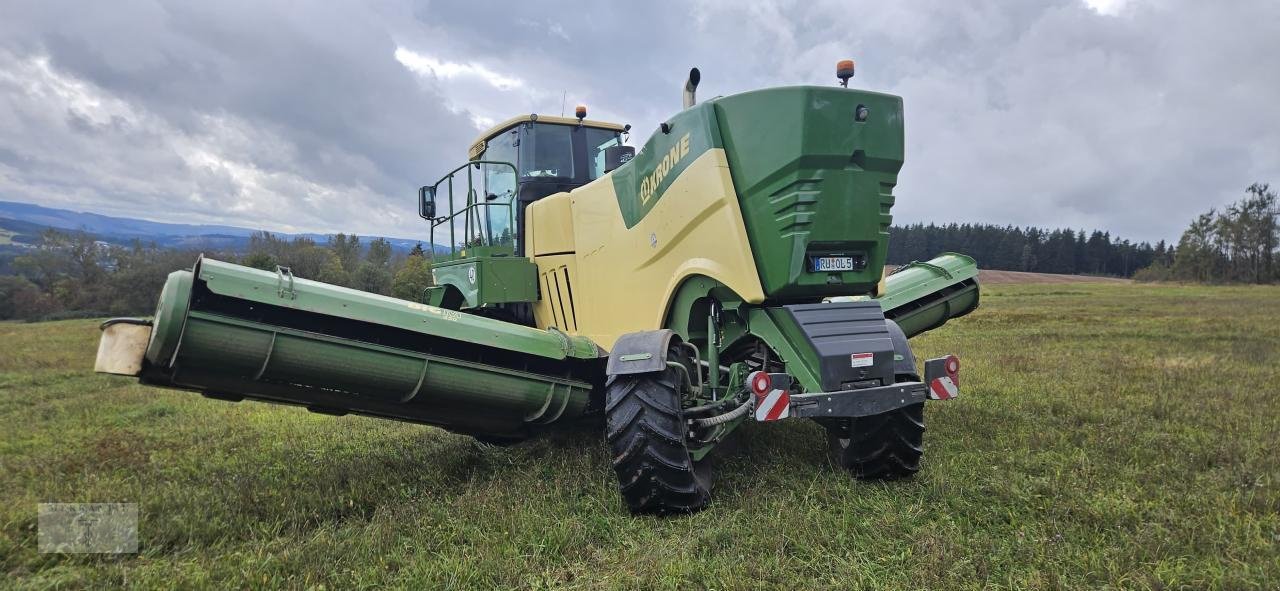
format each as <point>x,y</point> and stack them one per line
<point>1108,437</point>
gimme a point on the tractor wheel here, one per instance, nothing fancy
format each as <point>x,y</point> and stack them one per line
<point>645,429</point>
<point>884,446</point>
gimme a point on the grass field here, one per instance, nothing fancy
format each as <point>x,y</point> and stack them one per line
<point>1109,436</point>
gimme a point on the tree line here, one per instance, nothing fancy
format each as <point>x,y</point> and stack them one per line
<point>73,275</point>
<point>1235,245</point>
<point>345,261</point>
<point>1034,250</point>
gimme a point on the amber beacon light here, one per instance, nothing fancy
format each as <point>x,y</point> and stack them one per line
<point>844,71</point>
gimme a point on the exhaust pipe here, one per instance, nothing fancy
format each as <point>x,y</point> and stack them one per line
<point>690,87</point>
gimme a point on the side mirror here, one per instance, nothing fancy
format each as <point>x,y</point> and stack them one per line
<point>615,156</point>
<point>427,202</point>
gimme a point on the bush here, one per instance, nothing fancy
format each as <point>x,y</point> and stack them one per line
<point>413,279</point>
<point>1154,272</point>
<point>21,299</point>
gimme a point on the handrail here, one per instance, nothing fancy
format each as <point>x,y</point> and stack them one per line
<point>473,224</point>
<point>940,269</point>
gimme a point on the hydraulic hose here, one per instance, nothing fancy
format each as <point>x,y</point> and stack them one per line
<point>726,417</point>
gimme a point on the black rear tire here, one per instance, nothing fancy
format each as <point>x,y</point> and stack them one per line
<point>646,431</point>
<point>884,446</point>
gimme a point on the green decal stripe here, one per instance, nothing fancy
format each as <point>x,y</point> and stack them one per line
<point>640,183</point>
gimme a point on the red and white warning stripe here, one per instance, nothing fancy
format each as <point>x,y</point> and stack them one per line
<point>771,403</point>
<point>773,406</point>
<point>943,388</point>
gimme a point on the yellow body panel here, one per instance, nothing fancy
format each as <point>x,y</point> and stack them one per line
<point>556,281</point>
<point>553,232</point>
<point>622,280</point>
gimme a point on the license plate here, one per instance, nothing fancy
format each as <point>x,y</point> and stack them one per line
<point>821,264</point>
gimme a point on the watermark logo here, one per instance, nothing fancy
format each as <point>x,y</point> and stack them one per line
<point>88,528</point>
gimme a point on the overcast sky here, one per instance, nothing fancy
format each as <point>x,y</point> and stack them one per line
<point>1125,115</point>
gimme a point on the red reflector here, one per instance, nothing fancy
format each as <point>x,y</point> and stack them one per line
<point>953,369</point>
<point>761,384</point>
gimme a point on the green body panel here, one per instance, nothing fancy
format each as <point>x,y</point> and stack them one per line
<point>486,280</point>
<point>777,329</point>
<point>312,296</point>
<point>739,321</point>
<point>691,305</point>
<point>923,296</point>
<point>813,181</point>
<point>641,182</point>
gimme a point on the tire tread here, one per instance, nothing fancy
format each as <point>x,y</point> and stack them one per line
<point>884,446</point>
<point>644,427</point>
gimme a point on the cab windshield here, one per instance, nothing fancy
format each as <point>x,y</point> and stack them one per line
<point>546,151</point>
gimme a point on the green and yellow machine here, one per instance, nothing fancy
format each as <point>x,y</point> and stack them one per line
<point>732,269</point>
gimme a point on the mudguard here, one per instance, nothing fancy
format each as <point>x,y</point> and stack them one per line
<point>640,352</point>
<point>904,362</point>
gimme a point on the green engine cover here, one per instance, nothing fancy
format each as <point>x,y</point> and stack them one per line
<point>814,180</point>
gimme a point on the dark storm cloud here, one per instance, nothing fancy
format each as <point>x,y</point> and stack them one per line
<point>297,117</point>
<point>1132,117</point>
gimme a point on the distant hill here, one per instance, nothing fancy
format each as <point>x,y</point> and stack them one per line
<point>102,224</point>
<point>22,223</point>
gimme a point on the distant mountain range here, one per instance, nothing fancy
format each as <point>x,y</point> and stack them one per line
<point>22,223</point>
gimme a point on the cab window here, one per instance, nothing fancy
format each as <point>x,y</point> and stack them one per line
<point>499,180</point>
<point>597,141</point>
<point>499,189</point>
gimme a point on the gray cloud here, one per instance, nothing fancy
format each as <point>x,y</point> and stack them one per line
<point>307,117</point>
<point>297,119</point>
